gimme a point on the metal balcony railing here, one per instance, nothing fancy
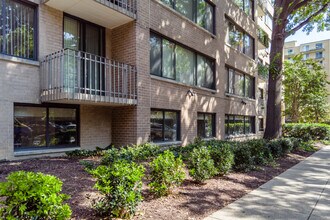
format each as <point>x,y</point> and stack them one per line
<point>129,6</point>
<point>79,76</point>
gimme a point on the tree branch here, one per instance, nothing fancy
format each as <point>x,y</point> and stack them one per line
<point>298,4</point>
<point>293,30</point>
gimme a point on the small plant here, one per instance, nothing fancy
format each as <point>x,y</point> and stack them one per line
<point>166,173</point>
<point>275,148</point>
<point>260,153</point>
<point>89,165</point>
<point>121,184</point>
<point>223,157</point>
<point>243,157</point>
<point>201,164</point>
<point>29,195</point>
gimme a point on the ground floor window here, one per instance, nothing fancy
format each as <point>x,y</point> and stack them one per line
<point>239,124</point>
<point>164,126</point>
<point>205,125</point>
<point>45,126</point>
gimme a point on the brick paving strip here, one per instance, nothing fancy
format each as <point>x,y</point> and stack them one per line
<point>302,192</point>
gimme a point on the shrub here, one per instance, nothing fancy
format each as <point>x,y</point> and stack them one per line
<point>121,185</point>
<point>222,155</point>
<point>87,153</point>
<point>307,131</point>
<point>29,195</point>
<point>286,145</point>
<point>201,165</point>
<point>275,148</point>
<point>131,153</point>
<point>243,160</point>
<point>166,173</point>
<point>261,154</point>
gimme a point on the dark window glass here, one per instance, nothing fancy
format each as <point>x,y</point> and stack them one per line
<point>172,61</point>
<point>205,15</point>
<point>246,6</point>
<point>164,126</point>
<point>240,40</point>
<point>238,125</point>
<point>17,29</point>
<point>205,125</point>
<point>205,74</point>
<point>185,65</point>
<point>199,11</point>
<point>240,84</point>
<point>261,93</point>
<point>168,59</point>
<point>155,55</point>
<point>318,46</point>
<point>261,124</point>
<point>62,127</point>
<point>45,127</point>
<point>319,55</point>
<point>185,7</point>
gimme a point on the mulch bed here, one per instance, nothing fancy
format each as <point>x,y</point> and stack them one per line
<point>190,201</point>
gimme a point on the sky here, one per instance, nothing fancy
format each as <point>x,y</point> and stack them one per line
<point>301,37</point>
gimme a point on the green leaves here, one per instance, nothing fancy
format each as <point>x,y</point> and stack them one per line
<point>121,185</point>
<point>30,195</point>
<point>305,93</point>
<point>167,172</point>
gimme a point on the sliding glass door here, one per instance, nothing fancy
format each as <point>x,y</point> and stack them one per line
<point>85,68</point>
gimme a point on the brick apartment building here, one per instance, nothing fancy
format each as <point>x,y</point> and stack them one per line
<point>84,73</point>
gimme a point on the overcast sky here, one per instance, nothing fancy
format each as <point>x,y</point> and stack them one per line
<point>302,37</point>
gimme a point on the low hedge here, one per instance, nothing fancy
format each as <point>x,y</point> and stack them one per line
<point>307,131</point>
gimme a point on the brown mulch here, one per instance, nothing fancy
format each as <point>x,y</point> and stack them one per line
<point>190,201</point>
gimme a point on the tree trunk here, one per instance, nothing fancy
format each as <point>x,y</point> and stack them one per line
<point>274,102</point>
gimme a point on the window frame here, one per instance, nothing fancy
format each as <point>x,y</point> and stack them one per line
<point>253,125</point>
<point>234,70</point>
<point>245,34</point>
<point>173,5</point>
<point>196,54</point>
<point>178,129</point>
<point>47,106</point>
<point>35,29</point>
<point>213,115</point>
<point>252,15</point>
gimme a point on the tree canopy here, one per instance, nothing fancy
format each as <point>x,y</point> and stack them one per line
<point>305,92</point>
<point>289,17</point>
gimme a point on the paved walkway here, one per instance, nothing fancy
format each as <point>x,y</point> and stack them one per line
<point>302,192</point>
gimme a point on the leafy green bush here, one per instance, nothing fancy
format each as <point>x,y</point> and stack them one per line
<point>286,145</point>
<point>88,153</point>
<point>29,195</point>
<point>166,173</point>
<point>243,160</point>
<point>307,131</point>
<point>222,155</point>
<point>201,165</point>
<point>275,148</point>
<point>121,184</point>
<point>261,154</point>
<point>131,153</point>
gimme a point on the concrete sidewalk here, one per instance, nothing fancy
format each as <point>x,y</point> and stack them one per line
<point>302,192</point>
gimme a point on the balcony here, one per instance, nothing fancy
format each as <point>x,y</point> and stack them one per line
<point>76,77</point>
<point>106,13</point>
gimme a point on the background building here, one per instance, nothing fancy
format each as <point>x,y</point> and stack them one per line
<point>81,74</point>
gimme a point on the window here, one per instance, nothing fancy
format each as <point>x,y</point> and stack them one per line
<point>318,46</point>
<point>306,48</point>
<point>269,20</point>
<point>205,125</point>
<point>199,11</point>
<point>238,125</point>
<point>306,56</point>
<point>240,40</point>
<point>45,126</point>
<point>247,6</point>
<point>172,61</point>
<point>240,84</point>
<point>18,29</point>
<point>261,93</point>
<point>290,51</point>
<point>319,55</point>
<point>164,126</point>
<point>261,124</point>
